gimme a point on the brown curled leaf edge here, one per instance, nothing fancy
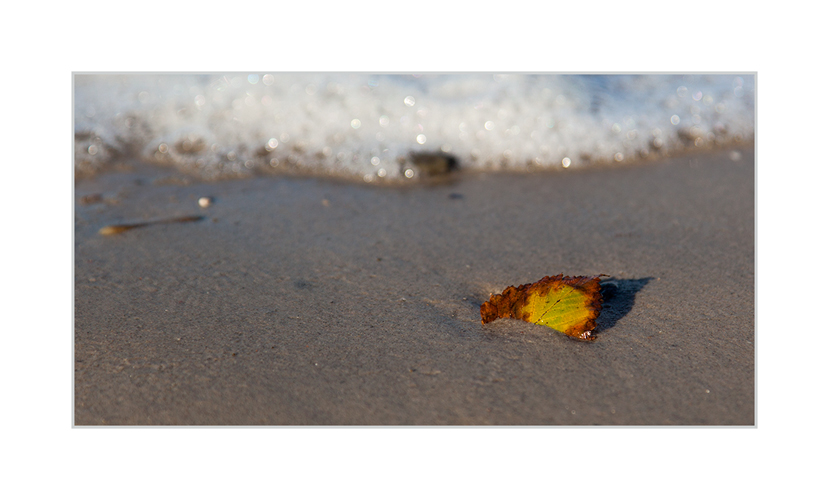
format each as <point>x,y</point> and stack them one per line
<point>568,304</point>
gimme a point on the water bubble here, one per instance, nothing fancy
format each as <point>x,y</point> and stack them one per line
<point>616,128</point>
<point>421,139</point>
<point>618,157</point>
<point>682,91</point>
<point>375,161</point>
<point>92,150</point>
<point>384,121</point>
<point>272,144</point>
<point>381,172</point>
<point>162,148</point>
<point>267,79</point>
<point>697,95</point>
<point>409,173</point>
<point>489,125</point>
<point>368,177</point>
<point>409,101</point>
<point>565,162</point>
<point>310,89</point>
<point>355,124</point>
<point>253,79</point>
<point>675,120</point>
<point>200,100</point>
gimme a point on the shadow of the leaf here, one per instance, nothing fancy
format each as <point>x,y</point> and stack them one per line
<point>618,297</point>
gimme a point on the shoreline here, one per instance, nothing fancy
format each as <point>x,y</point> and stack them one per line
<point>302,301</point>
<point>189,175</point>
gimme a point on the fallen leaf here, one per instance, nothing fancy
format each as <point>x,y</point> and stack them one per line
<point>567,304</point>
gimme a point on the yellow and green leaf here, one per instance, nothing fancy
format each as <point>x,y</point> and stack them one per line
<point>566,304</point>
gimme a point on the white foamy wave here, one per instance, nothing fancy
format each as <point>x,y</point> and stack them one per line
<point>369,126</point>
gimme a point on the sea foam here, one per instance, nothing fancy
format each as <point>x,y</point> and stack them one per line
<point>369,126</point>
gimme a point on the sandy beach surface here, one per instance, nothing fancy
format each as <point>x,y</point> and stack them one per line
<point>298,301</point>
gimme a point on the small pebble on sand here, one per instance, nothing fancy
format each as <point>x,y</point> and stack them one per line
<point>205,201</point>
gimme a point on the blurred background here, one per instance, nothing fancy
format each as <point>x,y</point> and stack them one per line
<point>367,126</point>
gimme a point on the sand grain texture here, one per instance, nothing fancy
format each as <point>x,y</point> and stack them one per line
<point>303,301</point>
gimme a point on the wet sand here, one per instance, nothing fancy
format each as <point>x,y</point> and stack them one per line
<point>314,302</point>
